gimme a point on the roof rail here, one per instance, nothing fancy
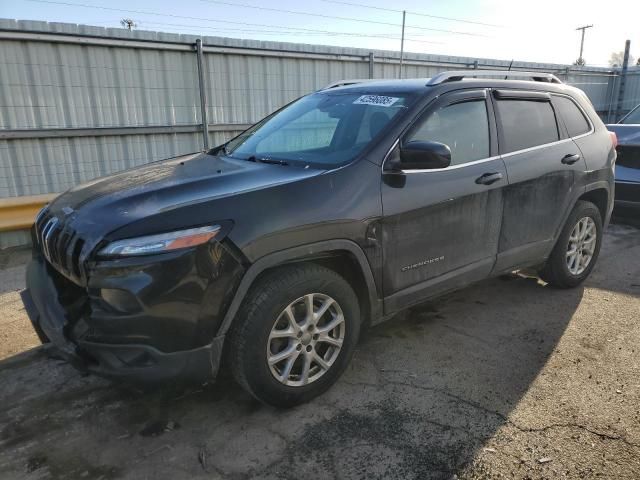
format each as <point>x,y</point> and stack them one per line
<point>344,83</point>
<point>458,75</point>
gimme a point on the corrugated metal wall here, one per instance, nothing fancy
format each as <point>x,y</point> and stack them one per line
<point>131,80</point>
<point>631,92</point>
<point>53,85</point>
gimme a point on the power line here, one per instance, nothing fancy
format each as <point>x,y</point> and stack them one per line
<point>452,19</point>
<point>295,30</point>
<point>334,17</point>
<point>279,32</point>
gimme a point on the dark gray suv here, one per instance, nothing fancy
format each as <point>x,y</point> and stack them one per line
<point>276,249</point>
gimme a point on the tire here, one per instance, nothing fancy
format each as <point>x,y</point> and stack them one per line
<point>264,329</point>
<point>562,271</point>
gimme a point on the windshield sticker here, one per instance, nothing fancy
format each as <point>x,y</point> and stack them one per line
<point>379,100</point>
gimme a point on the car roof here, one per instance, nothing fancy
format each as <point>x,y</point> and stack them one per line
<point>420,86</point>
<point>410,85</point>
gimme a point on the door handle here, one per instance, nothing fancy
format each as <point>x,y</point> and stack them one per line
<point>570,159</point>
<point>489,178</point>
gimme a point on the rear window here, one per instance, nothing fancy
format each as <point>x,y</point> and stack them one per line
<point>525,124</point>
<point>572,116</point>
<point>633,118</point>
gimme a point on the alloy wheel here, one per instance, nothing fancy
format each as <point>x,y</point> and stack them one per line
<point>581,246</point>
<point>306,339</point>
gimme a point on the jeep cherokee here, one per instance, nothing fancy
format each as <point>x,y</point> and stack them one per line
<point>275,249</point>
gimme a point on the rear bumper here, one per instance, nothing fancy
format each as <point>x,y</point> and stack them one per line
<point>627,194</point>
<point>135,362</point>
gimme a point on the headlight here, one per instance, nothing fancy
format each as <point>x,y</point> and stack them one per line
<point>163,242</point>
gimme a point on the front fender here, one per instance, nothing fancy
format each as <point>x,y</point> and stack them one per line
<point>301,253</point>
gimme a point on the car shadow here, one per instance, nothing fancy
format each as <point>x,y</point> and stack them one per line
<point>425,390</point>
<point>423,394</point>
<point>626,216</point>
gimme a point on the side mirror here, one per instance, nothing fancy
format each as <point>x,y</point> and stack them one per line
<point>424,155</point>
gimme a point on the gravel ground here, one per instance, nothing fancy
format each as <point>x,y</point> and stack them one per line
<point>16,334</point>
<point>508,378</point>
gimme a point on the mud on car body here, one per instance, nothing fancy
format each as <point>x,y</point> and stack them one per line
<point>274,250</point>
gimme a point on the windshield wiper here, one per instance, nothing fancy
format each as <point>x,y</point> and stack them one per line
<point>219,149</point>
<point>271,161</point>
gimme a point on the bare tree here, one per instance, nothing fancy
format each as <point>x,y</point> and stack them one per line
<point>128,23</point>
<point>617,58</point>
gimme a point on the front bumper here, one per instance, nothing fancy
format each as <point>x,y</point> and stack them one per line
<point>74,321</point>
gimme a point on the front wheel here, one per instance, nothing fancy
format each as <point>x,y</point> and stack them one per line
<point>577,248</point>
<point>294,335</point>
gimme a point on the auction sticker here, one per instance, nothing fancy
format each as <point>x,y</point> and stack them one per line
<point>379,100</point>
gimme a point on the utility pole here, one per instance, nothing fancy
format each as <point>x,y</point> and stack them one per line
<point>203,93</point>
<point>404,14</point>
<point>580,59</point>
<point>128,23</point>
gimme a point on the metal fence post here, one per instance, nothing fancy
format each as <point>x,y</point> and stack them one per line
<point>623,79</point>
<point>611,94</point>
<point>203,95</point>
<point>371,60</point>
<point>404,14</point>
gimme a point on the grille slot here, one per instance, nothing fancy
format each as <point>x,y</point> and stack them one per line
<point>75,257</point>
<point>63,243</point>
<point>52,243</point>
<point>60,245</point>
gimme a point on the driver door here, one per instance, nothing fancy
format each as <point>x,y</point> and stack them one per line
<point>441,227</point>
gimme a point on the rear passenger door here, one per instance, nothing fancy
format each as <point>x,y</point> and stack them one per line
<point>541,162</point>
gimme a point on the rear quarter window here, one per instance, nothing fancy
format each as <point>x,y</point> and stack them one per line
<point>572,116</point>
<point>526,124</point>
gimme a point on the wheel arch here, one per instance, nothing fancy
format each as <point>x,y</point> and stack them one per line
<point>598,193</point>
<point>343,256</point>
<point>599,196</point>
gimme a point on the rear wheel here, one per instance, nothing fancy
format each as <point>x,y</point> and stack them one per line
<point>577,249</point>
<point>294,335</point>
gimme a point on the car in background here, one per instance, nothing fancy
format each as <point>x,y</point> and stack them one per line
<point>628,163</point>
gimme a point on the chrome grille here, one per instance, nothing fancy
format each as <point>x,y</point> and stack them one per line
<point>60,245</point>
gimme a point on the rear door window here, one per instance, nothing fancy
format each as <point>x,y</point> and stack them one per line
<point>572,116</point>
<point>526,124</point>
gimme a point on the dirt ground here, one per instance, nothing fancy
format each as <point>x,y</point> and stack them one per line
<point>506,379</point>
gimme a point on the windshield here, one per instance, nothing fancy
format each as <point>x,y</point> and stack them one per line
<point>324,129</point>
<point>633,118</point>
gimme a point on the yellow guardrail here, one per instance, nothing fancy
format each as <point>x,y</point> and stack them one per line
<point>17,213</point>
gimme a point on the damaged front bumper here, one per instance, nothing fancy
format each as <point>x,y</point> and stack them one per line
<point>61,313</point>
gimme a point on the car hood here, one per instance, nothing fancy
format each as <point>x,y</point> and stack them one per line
<point>103,205</point>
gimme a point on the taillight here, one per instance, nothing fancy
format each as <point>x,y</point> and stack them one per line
<point>614,139</point>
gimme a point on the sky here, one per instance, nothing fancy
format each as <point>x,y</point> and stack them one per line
<point>540,31</point>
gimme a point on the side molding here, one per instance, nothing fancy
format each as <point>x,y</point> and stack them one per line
<point>300,254</point>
